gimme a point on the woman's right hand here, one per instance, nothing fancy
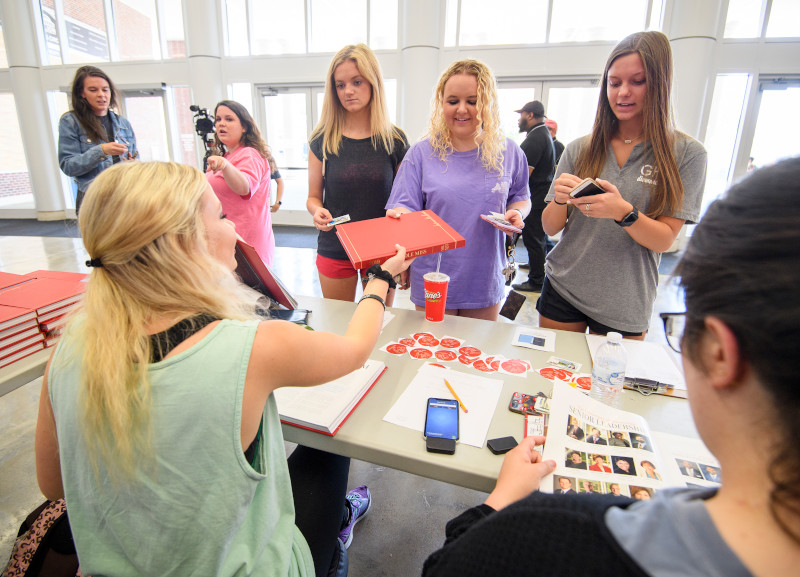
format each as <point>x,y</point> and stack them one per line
<point>216,163</point>
<point>321,218</point>
<point>564,185</point>
<point>114,149</point>
<point>520,474</point>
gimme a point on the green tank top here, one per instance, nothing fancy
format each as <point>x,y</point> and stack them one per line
<point>204,510</point>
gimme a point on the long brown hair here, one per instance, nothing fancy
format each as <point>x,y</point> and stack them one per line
<point>82,110</point>
<point>658,121</point>
<point>252,135</point>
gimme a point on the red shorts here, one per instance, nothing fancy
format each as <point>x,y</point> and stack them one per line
<point>333,268</point>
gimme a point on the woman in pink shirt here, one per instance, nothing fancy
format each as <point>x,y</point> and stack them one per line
<point>239,173</point>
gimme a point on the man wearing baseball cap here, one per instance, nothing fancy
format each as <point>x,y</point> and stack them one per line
<point>538,149</point>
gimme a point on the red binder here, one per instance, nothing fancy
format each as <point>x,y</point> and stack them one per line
<point>42,294</point>
<point>257,275</point>
<point>372,241</point>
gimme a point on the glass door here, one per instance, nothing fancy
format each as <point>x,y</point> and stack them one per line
<point>146,111</point>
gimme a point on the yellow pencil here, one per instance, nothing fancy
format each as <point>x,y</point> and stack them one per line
<point>460,403</point>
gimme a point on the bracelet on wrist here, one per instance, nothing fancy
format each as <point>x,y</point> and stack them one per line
<point>522,216</point>
<point>375,271</point>
<point>559,203</point>
<point>372,296</point>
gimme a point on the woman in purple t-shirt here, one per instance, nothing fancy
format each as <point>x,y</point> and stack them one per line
<point>239,173</point>
<point>463,169</point>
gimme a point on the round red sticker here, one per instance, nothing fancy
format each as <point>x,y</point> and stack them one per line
<point>494,364</point>
<point>446,355</point>
<point>548,373</point>
<point>584,383</point>
<point>428,341</point>
<point>481,366</point>
<point>418,336</point>
<point>420,353</point>
<point>465,360</point>
<point>408,341</point>
<point>450,343</point>
<point>514,366</point>
<point>470,351</point>
<point>396,349</point>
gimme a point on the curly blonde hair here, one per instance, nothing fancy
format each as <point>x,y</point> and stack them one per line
<point>489,135</point>
<point>142,220</point>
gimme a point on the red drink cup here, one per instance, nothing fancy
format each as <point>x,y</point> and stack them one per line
<point>435,295</point>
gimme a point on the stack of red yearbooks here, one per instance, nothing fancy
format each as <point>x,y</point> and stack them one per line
<point>33,310</point>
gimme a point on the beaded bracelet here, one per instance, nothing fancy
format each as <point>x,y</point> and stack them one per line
<point>372,296</point>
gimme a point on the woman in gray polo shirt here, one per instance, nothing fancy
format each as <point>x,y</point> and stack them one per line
<point>603,273</point>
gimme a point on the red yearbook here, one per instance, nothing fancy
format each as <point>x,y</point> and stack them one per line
<point>257,275</point>
<point>372,241</point>
<point>42,294</point>
<point>14,316</point>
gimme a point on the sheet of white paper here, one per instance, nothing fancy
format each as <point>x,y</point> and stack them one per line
<point>646,360</point>
<point>538,339</point>
<point>479,395</point>
<point>387,316</point>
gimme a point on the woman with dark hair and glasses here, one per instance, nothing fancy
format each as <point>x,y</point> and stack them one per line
<point>740,274</point>
<point>92,136</point>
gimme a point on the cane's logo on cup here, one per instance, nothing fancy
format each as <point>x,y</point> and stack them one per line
<point>432,296</point>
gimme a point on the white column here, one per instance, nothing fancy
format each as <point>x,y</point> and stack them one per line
<point>32,109</point>
<point>203,49</point>
<point>692,31</point>
<point>420,39</point>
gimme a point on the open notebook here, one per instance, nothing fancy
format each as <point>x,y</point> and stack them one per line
<point>325,407</point>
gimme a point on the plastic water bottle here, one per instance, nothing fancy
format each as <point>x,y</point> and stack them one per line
<point>608,371</point>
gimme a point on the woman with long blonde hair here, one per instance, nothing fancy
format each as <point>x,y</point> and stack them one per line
<point>465,168</point>
<point>157,420</point>
<point>603,273</point>
<point>355,152</point>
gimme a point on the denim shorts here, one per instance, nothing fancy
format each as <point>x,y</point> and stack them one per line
<point>553,306</point>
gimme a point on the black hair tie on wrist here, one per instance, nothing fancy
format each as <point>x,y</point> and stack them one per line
<point>95,262</point>
<point>559,203</point>
<point>375,271</point>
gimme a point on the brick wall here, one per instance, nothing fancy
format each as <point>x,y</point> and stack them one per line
<point>14,184</point>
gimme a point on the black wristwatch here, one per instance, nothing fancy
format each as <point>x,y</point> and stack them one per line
<point>375,271</point>
<point>629,218</point>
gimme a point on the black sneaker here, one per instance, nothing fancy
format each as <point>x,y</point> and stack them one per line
<point>528,286</point>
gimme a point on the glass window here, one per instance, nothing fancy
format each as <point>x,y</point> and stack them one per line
<point>287,135</point>
<point>744,19</point>
<point>508,22</point>
<point>188,139</point>
<point>383,24</point>
<point>335,23</point>
<point>146,114</point>
<point>50,29</point>
<point>509,100</point>
<point>236,17</point>
<point>15,182</point>
<point>656,12</point>
<point>85,25</point>
<point>3,56</point>
<point>450,21</point>
<point>574,109</point>
<point>172,24</point>
<point>242,92</point>
<point>784,16</point>
<point>777,126</point>
<point>279,27</point>
<point>136,28</point>
<point>722,134</point>
<point>607,20</point>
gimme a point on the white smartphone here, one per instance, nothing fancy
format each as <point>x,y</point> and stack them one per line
<point>587,187</point>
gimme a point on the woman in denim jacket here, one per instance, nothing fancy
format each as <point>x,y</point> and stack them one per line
<point>91,137</point>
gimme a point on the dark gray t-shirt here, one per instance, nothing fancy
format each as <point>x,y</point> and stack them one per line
<point>596,266</point>
<point>358,182</point>
<point>673,535</point>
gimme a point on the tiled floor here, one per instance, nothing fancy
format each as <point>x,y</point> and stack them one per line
<point>409,512</point>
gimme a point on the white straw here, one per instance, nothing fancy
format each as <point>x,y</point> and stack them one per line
<point>438,263</point>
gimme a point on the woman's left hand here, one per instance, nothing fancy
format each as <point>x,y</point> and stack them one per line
<point>514,216</point>
<point>610,204</point>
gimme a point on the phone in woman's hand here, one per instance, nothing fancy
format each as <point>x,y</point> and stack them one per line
<point>587,187</point>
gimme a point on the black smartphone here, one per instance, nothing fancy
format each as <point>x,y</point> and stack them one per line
<point>501,445</point>
<point>586,188</point>
<point>441,419</point>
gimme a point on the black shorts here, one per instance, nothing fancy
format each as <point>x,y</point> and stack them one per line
<point>553,306</point>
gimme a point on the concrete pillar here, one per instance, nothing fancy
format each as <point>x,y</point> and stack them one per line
<point>692,31</point>
<point>420,39</point>
<point>32,109</point>
<point>203,49</point>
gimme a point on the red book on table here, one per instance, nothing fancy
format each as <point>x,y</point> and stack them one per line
<point>257,275</point>
<point>42,294</point>
<point>372,241</point>
<point>8,279</point>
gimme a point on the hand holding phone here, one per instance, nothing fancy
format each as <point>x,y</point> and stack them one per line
<point>587,187</point>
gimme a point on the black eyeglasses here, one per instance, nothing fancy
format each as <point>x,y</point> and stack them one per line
<point>674,325</point>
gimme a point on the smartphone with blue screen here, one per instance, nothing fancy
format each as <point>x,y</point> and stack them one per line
<point>441,419</point>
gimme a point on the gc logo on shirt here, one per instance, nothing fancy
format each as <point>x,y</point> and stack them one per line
<point>648,174</point>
